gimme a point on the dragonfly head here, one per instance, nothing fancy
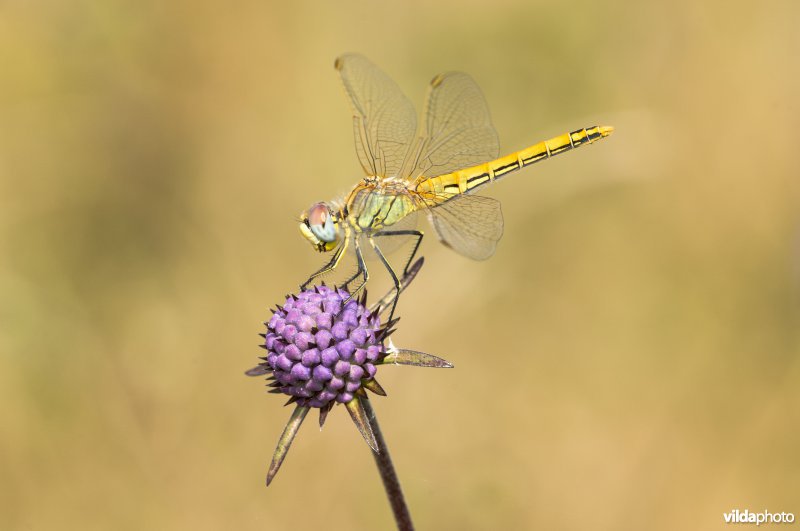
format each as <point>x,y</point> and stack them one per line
<point>320,226</point>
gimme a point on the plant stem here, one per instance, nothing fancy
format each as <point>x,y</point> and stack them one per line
<point>388,474</point>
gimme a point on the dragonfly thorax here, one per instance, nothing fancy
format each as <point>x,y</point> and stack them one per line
<point>377,203</point>
<point>320,226</point>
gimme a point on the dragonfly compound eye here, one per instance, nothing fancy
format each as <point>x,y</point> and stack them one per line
<point>320,225</point>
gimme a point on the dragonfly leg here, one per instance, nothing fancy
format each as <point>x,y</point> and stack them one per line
<point>391,272</point>
<point>330,266</point>
<point>386,301</point>
<point>418,235</point>
<point>362,269</point>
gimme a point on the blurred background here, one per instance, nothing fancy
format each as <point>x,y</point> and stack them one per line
<point>627,360</point>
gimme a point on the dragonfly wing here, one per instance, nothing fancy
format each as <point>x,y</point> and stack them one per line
<point>458,127</point>
<point>384,120</point>
<point>471,225</point>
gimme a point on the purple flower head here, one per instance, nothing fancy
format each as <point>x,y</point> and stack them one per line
<point>322,348</point>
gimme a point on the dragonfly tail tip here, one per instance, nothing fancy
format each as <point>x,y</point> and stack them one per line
<point>606,130</point>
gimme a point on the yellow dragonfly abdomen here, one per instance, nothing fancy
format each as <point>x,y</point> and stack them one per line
<point>444,187</point>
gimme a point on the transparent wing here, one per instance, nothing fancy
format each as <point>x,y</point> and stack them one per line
<point>471,225</point>
<point>384,121</point>
<point>458,128</point>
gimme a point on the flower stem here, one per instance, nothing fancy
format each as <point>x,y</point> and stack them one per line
<point>388,474</point>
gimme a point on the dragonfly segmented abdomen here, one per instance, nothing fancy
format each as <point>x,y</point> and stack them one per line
<point>444,187</point>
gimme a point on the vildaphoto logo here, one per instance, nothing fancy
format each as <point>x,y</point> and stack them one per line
<point>746,517</point>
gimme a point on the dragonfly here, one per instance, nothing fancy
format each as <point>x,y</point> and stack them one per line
<point>435,169</point>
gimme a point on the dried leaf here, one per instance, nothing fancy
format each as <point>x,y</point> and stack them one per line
<point>286,439</point>
<point>412,357</point>
<point>359,416</point>
<point>374,386</point>
<point>258,370</point>
<point>323,414</point>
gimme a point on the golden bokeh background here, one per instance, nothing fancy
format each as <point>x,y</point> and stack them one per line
<point>627,360</point>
